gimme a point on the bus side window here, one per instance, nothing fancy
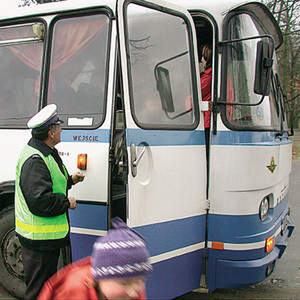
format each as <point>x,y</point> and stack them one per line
<point>204,32</point>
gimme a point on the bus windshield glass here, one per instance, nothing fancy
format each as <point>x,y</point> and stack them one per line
<point>240,66</point>
<point>78,69</point>
<point>21,55</point>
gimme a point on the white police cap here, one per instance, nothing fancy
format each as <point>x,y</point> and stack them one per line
<point>45,117</point>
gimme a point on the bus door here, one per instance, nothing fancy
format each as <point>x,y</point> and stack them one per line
<point>248,176</point>
<point>165,142</point>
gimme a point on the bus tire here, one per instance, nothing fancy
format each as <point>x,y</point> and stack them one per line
<point>11,266</point>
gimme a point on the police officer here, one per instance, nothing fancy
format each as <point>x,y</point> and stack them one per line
<point>41,200</point>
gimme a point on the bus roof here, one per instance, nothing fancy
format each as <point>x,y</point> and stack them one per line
<point>12,10</point>
<point>216,8</point>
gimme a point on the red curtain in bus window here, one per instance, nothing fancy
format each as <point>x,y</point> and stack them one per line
<point>72,36</point>
<point>69,38</point>
<point>30,54</point>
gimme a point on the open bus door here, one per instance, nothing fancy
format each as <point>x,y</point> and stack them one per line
<point>165,142</point>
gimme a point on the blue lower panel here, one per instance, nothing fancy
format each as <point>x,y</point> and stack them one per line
<point>86,216</point>
<point>82,245</point>
<point>224,273</point>
<point>170,278</point>
<point>171,235</point>
<point>176,276</point>
<point>89,216</point>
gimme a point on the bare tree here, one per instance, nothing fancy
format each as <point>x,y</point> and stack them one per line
<point>27,2</point>
<point>287,14</point>
<point>34,2</point>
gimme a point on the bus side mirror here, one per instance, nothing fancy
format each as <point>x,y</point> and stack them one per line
<point>264,63</point>
<point>164,88</point>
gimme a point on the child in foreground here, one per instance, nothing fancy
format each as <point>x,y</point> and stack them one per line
<point>116,270</point>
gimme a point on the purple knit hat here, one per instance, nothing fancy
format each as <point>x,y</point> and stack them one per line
<point>121,253</point>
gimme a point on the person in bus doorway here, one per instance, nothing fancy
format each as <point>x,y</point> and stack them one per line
<point>206,82</point>
<point>116,270</point>
<point>205,66</point>
<point>41,200</point>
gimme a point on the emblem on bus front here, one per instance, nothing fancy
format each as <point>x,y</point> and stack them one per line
<point>272,165</point>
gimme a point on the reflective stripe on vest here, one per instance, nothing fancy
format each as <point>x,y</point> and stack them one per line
<point>35,227</point>
<point>41,228</point>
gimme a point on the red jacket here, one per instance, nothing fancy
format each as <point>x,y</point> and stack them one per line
<point>205,80</point>
<point>73,282</point>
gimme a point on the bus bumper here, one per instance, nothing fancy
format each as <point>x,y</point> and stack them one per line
<point>225,273</point>
<point>234,274</point>
<point>287,230</point>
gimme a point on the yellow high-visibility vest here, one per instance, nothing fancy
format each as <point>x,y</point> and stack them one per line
<point>35,227</point>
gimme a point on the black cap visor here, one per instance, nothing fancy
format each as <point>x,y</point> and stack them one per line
<point>53,121</point>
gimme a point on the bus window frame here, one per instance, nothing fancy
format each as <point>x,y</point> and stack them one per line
<point>215,60</point>
<point>223,106</point>
<point>280,98</point>
<point>24,21</point>
<point>73,14</point>
<point>191,45</point>
<point>273,86</point>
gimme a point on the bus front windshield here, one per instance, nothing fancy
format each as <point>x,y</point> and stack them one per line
<point>240,77</point>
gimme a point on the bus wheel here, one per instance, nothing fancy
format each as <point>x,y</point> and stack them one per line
<point>11,266</point>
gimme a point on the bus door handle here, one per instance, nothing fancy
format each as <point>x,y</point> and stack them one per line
<point>135,158</point>
<point>278,136</point>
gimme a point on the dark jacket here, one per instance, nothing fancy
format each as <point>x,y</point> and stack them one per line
<point>36,186</point>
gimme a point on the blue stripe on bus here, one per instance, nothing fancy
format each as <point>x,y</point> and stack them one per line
<point>245,228</point>
<point>160,237</point>
<point>246,138</point>
<point>89,216</point>
<point>188,231</point>
<point>177,137</point>
<point>172,235</point>
<point>165,137</point>
<point>86,136</point>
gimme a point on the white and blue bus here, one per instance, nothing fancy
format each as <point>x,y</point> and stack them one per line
<point>125,77</point>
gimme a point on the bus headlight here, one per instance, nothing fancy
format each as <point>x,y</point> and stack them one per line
<point>264,208</point>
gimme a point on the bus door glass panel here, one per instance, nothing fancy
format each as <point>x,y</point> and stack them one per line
<point>241,62</point>
<point>78,69</point>
<point>154,48</point>
<point>20,71</point>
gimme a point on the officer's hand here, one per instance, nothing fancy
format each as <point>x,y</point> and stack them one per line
<point>73,202</point>
<point>78,177</point>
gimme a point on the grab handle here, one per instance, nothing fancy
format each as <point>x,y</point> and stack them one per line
<point>135,158</point>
